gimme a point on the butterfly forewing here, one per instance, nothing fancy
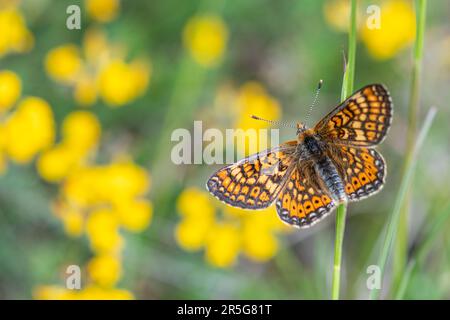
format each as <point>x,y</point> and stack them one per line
<point>254,182</point>
<point>360,121</point>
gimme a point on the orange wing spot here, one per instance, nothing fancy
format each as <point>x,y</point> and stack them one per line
<point>263,196</point>
<point>245,190</point>
<point>222,174</point>
<point>317,202</point>
<point>349,188</point>
<point>371,135</point>
<point>251,181</point>
<point>263,179</point>
<point>371,97</point>
<point>308,207</point>
<point>375,104</point>
<point>231,186</point>
<point>326,199</point>
<point>375,110</point>
<point>356,183</point>
<point>286,201</point>
<point>370,125</point>
<point>238,176</point>
<point>251,202</point>
<point>337,120</point>
<point>363,178</point>
<point>237,189</point>
<point>257,166</point>
<point>255,191</point>
<point>249,173</point>
<point>235,171</point>
<point>301,211</point>
<point>226,182</point>
<point>240,198</point>
<point>290,185</point>
<point>294,208</point>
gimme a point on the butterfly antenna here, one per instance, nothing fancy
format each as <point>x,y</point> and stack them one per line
<point>278,123</point>
<point>316,98</point>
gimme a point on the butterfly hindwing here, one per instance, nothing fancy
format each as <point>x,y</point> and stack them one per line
<point>361,121</point>
<point>254,182</point>
<point>302,203</point>
<point>363,171</point>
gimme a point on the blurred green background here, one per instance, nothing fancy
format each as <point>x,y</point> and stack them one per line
<point>87,175</point>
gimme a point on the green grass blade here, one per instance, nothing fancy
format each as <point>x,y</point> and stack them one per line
<point>392,225</point>
<point>341,212</point>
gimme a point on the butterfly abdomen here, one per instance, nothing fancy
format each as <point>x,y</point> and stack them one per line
<point>328,173</point>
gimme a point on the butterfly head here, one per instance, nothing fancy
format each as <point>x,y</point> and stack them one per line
<point>301,127</point>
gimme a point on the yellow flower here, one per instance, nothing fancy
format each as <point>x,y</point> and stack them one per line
<point>15,36</point>
<point>134,215</point>
<point>205,37</point>
<point>64,63</point>
<point>29,130</point>
<point>102,228</point>
<point>397,30</point>
<point>191,233</point>
<point>102,10</point>
<point>223,244</point>
<point>10,87</point>
<point>195,203</point>
<point>105,270</point>
<point>81,130</point>
<point>55,164</point>
<point>119,83</point>
<point>95,47</point>
<point>91,292</point>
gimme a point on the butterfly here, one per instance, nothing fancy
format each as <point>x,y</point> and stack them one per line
<point>333,162</point>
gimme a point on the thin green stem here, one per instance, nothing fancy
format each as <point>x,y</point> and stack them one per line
<point>341,212</point>
<point>393,221</point>
<point>401,243</point>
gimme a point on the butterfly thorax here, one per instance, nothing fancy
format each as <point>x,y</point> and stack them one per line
<point>311,148</point>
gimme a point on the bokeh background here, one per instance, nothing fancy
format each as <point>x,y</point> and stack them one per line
<point>86,118</point>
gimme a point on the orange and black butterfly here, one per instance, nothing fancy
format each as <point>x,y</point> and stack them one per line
<point>328,164</point>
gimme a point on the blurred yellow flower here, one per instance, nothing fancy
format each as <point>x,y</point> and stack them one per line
<point>134,215</point>
<point>80,135</point>
<point>224,231</point>
<point>81,130</point>
<point>29,129</point>
<point>15,36</point>
<point>222,245</point>
<point>64,63</point>
<point>397,30</point>
<point>102,10</point>
<point>120,83</point>
<point>98,70</point>
<point>102,229</point>
<point>91,292</point>
<point>10,88</point>
<point>205,37</point>
<point>105,270</point>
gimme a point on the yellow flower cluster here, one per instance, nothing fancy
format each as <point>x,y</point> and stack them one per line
<point>224,231</point>
<point>397,26</point>
<point>98,69</point>
<point>26,129</point>
<point>102,10</point>
<point>15,37</point>
<point>205,37</point>
<point>95,200</point>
